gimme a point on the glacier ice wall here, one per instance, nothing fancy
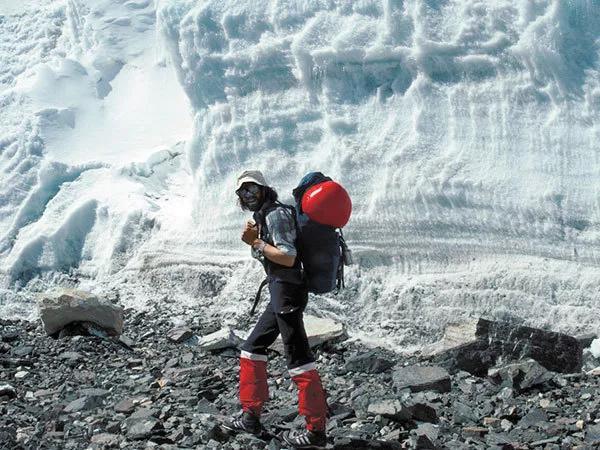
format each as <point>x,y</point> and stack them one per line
<point>459,124</point>
<point>465,131</point>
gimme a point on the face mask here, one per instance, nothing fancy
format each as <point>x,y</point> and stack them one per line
<point>251,196</point>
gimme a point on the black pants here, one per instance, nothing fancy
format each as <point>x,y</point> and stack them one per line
<point>283,314</point>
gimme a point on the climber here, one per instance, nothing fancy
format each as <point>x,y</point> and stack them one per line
<point>272,237</point>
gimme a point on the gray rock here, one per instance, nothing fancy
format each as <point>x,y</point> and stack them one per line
<point>339,411</point>
<point>494,439</point>
<point>126,341</point>
<point>125,406</point>
<point>464,414</point>
<point>477,345</point>
<point>22,350</point>
<point>205,406</point>
<point>65,306</point>
<point>585,340</point>
<point>521,375</point>
<point>368,363</point>
<point>506,393</point>
<point>180,433</point>
<point>592,434</point>
<point>106,440</point>
<point>94,392</point>
<point>6,390</point>
<point>70,356</point>
<point>421,378</point>
<point>428,429</point>
<point>143,413</point>
<point>180,334</point>
<point>222,339</point>
<point>422,442</point>
<point>83,403</point>
<point>9,336</point>
<point>113,427</point>
<point>391,408</point>
<point>544,442</point>
<point>423,411</point>
<point>535,417</point>
<point>142,428</point>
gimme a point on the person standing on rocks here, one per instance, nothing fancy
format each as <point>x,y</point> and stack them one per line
<point>272,238</point>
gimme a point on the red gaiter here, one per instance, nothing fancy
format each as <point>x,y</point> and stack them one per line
<point>254,391</point>
<point>311,399</point>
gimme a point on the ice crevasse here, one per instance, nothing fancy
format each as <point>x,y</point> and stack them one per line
<point>465,131</point>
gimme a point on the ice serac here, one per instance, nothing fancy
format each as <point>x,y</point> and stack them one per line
<point>465,131</point>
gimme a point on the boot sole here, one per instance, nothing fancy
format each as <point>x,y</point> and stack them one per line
<point>311,447</point>
<point>306,447</point>
<point>241,430</point>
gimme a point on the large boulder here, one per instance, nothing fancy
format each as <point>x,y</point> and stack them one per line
<point>65,306</point>
<point>476,346</point>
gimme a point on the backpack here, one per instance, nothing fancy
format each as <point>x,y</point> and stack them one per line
<point>321,248</point>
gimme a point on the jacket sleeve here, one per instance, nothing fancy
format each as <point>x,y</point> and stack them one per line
<point>283,230</point>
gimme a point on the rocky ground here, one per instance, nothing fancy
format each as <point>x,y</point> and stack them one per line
<point>80,392</point>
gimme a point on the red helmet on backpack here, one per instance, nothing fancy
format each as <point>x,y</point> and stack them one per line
<point>327,203</point>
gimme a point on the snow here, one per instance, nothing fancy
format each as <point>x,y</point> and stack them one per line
<point>465,132</point>
<point>595,348</point>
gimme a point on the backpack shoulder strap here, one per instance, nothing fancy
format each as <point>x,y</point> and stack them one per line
<point>260,217</point>
<point>289,209</point>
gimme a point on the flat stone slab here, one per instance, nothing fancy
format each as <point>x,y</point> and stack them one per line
<point>390,408</point>
<point>83,403</point>
<point>180,334</point>
<point>219,340</point>
<point>65,306</point>
<point>422,378</point>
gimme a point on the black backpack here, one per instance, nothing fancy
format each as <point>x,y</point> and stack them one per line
<point>321,248</point>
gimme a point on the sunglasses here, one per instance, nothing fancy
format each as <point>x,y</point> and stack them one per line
<point>248,190</point>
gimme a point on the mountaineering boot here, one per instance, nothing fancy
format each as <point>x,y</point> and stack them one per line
<point>247,423</point>
<point>307,439</point>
